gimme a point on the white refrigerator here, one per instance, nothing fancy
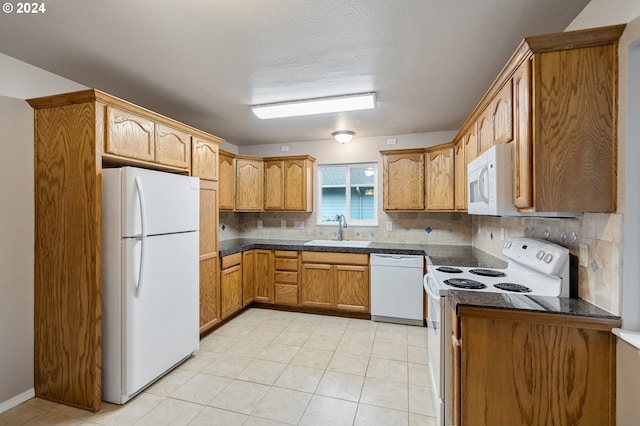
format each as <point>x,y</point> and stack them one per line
<point>150,277</point>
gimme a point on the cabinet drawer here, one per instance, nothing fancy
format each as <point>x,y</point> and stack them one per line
<point>231,260</point>
<point>286,277</point>
<point>335,258</point>
<point>286,253</point>
<point>286,294</point>
<point>286,264</point>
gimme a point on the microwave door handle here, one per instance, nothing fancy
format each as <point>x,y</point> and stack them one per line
<point>482,179</point>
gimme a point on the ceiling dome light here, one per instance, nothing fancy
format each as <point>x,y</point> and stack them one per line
<point>343,136</point>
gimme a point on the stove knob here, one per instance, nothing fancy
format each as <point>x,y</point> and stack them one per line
<point>540,254</point>
<point>548,258</point>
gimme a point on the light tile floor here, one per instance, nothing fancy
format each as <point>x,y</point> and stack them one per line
<point>270,368</point>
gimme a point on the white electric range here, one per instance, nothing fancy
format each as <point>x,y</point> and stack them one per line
<point>535,268</point>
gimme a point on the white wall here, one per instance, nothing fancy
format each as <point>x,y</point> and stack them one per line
<point>16,248</point>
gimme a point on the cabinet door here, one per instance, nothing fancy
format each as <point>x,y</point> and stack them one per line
<point>440,179</point>
<point>470,145</point>
<point>249,184</point>
<point>209,294</point>
<point>403,181</point>
<point>316,285</point>
<point>204,161</point>
<point>502,115</point>
<point>522,164</point>
<point>460,180</point>
<point>173,147</point>
<point>263,276</point>
<point>455,380</point>
<point>295,185</point>
<point>274,186</point>
<point>248,270</point>
<point>129,135</point>
<point>352,288</point>
<point>485,131</point>
<point>227,182</point>
<point>230,290</point>
<point>208,218</point>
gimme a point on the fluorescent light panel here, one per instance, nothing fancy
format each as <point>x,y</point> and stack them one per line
<point>316,106</point>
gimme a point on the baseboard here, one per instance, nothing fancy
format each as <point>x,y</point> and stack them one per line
<point>17,400</point>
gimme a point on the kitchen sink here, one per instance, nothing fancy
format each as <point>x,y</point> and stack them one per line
<point>336,243</point>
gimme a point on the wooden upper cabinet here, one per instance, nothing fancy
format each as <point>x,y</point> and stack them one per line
<point>173,147</point>
<point>484,131</point>
<point>298,184</point>
<point>501,109</point>
<point>227,181</point>
<point>204,158</point>
<point>288,183</point>
<point>249,184</point>
<point>470,142</point>
<point>522,162</point>
<point>403,180</point>
<point>460,176</point>
<point>440,178</point>
<point>129,135</point>
<point>274,187</point>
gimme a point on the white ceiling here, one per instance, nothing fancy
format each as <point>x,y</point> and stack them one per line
<point>204,62</point>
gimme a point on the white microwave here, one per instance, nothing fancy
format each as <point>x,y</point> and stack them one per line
<point>490,182</point>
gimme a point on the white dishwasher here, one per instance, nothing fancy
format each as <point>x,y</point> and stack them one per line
<point>396,288</point>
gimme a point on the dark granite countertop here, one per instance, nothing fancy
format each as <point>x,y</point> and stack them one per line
<point>439,254</point>
<point>518,302</point>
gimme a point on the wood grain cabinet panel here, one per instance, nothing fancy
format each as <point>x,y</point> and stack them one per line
<point>263,276</point>
<point>129,135</point>
<point>470,142</point>
<point>286,267</point>
<point>460,176</point>
<point>248,272</point>
<point>173,147</point>
<point>227,181</point>
<point>523,149</point>
<point>274,185</point>
<point>484,131</point>
<point>209,294</point>
<point>204,158</point>
<point>352,288</point>
<point>534,369</point>
<point>317,285</point>
<point>231,296</point>
<point>208,218</point>
<point>501,110</point>
<point>403,180</point>
<point>249,184</point>
<point>440,178</point>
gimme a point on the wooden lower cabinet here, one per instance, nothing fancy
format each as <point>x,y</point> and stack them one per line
<point>514,368</point>
<point>248,266</point>
<point>231,296</point>
<point>263,276</point>
<point>338,281</point>
<point>209,294</point>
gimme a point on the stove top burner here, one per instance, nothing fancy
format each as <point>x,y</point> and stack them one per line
<point>517,288</point>
<point>449,269</point>
<point>465,283</point>
<point>487,272</point>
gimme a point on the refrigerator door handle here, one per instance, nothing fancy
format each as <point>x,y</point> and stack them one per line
<point>143,235</point>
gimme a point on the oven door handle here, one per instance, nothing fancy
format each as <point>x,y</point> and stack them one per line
<point>430,292</point>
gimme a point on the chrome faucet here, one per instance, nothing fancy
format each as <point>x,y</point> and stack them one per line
<point>341,220</point>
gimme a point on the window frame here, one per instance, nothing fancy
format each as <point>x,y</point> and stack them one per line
<point>351,222</point>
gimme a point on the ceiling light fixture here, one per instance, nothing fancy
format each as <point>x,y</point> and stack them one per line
<point>316,106</point>
<point>343,136</point>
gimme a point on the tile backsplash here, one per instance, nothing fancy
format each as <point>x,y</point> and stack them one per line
<point>598,283</point>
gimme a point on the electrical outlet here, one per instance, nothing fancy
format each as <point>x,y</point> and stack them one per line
<point>283,224</point>
<point>259,224</point>
<point>284,148</point>
<point>392,141</point>
<point>389,226</point>
<point>584,255</point>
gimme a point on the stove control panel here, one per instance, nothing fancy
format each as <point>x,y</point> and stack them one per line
<point>540,255</point>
